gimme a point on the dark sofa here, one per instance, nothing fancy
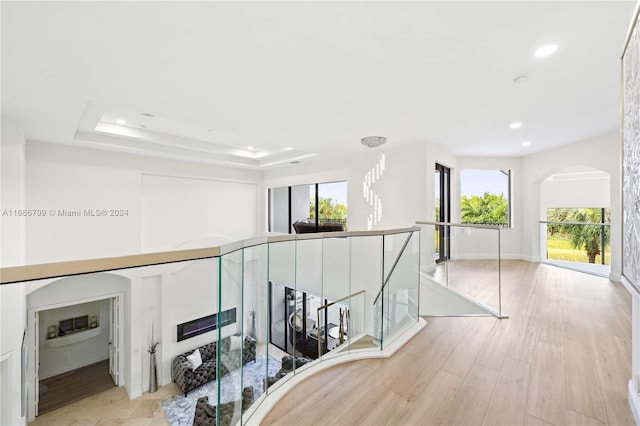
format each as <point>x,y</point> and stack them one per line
<point>188,378</point>
<point>287,367</point>
<point>302,227</point>
<point>206,413</point>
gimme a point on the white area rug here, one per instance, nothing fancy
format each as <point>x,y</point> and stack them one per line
<point>180,409</point>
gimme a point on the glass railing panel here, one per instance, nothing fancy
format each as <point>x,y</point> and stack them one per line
<point>472,271</point>
<point>281,294</point>
<point>342,326</point>
<point>574,245</point>
<point>235,348</point>
<point>365,275</point>
<point>255,307</point>
<point>284,301</point>
<point>400,299</point>
<point>336,279</point>
<point>474,267</point>
<point>309,296</point>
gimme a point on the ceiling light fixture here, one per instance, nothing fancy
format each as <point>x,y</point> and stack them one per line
<point>526,143</point>
<point>250,148</point>
<point>121,121</point>
<point>520,79</point>
<point>546,50</point>
<point>515,125</point>
<point>373,141</point>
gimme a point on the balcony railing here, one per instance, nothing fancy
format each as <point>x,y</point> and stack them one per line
<point>582,246</point>
<point>343,272</point>
<point>465,259</point>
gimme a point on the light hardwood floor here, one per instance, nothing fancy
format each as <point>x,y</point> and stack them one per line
<point>562,358</point>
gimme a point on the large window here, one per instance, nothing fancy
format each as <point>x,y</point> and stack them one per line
<point>485,197</point>
<point>579,235</point>
<point>313,205</point>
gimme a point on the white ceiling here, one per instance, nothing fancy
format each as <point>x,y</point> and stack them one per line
<point>307,80</point>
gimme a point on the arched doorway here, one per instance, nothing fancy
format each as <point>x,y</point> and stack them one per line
<point>575,220</point>
<point>73,323</point>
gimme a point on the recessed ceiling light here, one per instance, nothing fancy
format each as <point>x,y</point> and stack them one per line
<point>250,148</point>
<point>520,79</point>
<point>546,50</point>
<point>526,143</point>
<point>515,125</point>
<point>121,121</point>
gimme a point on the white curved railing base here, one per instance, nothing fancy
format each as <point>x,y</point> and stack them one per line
<point>261,408</point>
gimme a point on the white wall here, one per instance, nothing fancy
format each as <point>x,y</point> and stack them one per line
<point>12,187</point>
<point>12,253</point>
<point>13,314</point>
<point>178,209</point>
<point>601,153</point>
<point>73,179</point>
<point>578,193</point>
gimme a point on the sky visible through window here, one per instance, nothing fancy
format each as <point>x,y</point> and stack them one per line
<point>337,191</point>
<point>477,182</point>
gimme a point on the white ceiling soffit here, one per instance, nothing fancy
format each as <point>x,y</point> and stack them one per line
<point>145,133</point>
<point>296,80</point>
<point>578,173</point>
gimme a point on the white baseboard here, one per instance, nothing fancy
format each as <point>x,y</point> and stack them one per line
<point>634,402</point>
<point>615,277</point>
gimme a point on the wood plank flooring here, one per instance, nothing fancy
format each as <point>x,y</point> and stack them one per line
<point>562,358</point>
<point>75,385</point>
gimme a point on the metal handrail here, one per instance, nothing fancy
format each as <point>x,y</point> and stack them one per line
<point>575,223</point>
<point>327,306</point>
<point>393,267</point>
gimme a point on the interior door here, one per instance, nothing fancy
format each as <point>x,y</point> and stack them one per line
<point>114,339</point>
<point>36,362</point>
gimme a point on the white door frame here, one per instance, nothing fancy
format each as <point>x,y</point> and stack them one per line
<point>32,317</point>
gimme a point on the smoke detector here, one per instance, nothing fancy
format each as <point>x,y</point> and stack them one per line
<point>373,141</point>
